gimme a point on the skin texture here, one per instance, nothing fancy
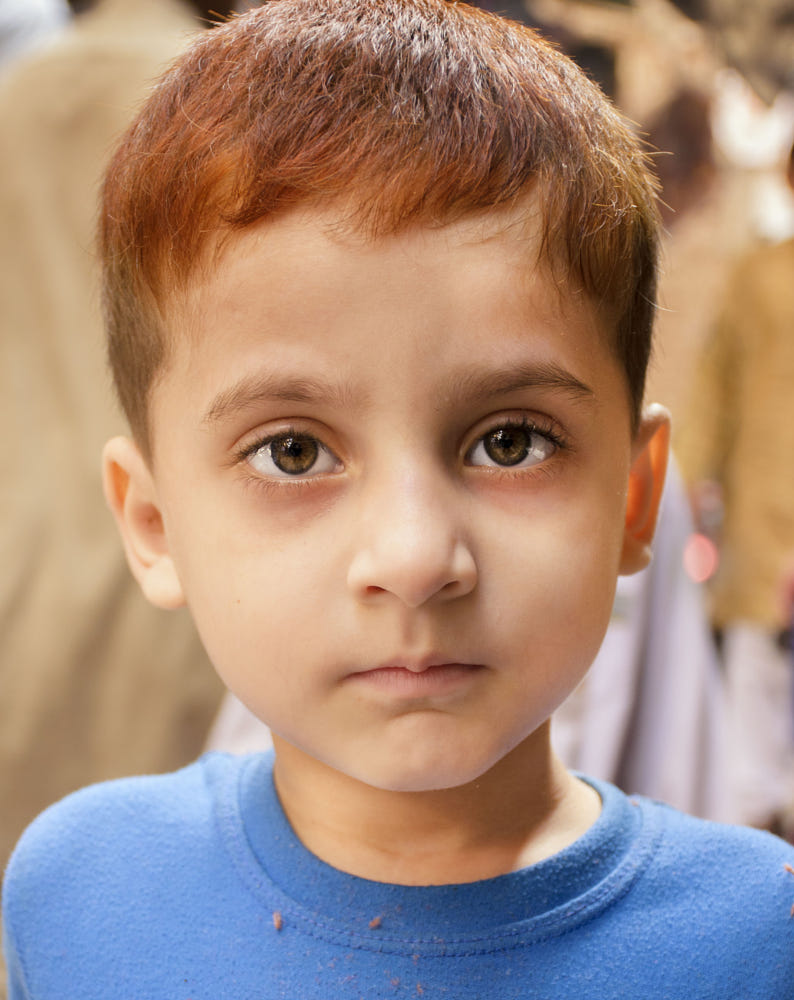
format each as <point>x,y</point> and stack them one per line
<point>407,613</point>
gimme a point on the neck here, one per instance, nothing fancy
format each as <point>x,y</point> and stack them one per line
<point>523,810</point>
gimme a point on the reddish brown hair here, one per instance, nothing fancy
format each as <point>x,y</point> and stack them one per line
<point>413,111</point>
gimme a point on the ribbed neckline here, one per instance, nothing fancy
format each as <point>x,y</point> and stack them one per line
<point>543,900</point>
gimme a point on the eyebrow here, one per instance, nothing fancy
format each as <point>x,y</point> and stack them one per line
<point>536,375</point>
<point>255,389</point>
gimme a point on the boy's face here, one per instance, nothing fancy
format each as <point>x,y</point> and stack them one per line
<point>390,480</point>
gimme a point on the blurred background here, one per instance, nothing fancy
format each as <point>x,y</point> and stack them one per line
<point>691,699</point>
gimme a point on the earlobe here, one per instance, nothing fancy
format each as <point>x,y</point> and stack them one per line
<point>646,484</point>
<point>132,497</point>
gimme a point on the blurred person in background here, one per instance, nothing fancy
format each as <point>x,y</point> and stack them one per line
<point>94,683</point>
<point>737,453</point>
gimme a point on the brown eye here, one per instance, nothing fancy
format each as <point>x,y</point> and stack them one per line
<point>510,445</point>
<point>294,454</point>
<point>507,445</point>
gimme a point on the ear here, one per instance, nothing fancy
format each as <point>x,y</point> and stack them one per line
<point>646,483</point>
<point>132,497</point>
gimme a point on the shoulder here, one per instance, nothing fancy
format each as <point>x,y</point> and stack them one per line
<point>135,860</point>
<point>130,826</point>
<point>688,837</point>
<point>711,910</point>
<point>123,876</point>
<point>733,879</point>
<point>116,802</point>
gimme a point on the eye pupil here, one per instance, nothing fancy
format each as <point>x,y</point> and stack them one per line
<point>507,445</point>
<point>293,453</point>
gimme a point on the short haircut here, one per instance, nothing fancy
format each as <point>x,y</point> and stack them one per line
<point>407,111</point>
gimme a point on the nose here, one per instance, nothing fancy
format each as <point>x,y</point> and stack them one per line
<point>410,543</point>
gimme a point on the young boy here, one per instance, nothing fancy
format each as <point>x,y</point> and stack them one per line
<point>379,284</point>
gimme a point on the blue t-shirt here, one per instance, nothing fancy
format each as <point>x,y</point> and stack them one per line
<point>192,886</point>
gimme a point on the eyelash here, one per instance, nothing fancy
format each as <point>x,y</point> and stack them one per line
<point>543,429</point>
<point>531,427</point>
<point>248,451</point>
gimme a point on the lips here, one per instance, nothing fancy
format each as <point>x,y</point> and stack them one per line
<point>418,677</point>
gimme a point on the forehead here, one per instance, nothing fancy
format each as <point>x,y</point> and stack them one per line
<point>305,291</point>
<point>323,246</point>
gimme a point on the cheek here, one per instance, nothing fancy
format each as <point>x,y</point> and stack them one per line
<point>556,565</point>
<point>259,598</point>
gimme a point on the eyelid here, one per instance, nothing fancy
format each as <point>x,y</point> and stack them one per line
<point>245,453</point>
<point>535,423</point>
<point>258,437</point>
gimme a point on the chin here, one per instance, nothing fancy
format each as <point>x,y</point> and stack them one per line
<point>432,771</point>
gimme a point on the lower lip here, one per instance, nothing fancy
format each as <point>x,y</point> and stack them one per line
<point>443,678</point>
